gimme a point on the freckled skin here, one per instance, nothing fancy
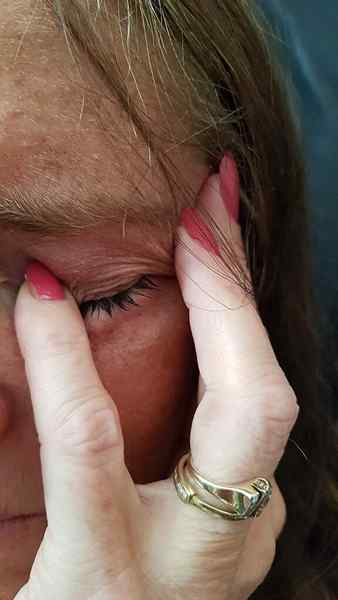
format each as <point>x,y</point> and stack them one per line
<point>145,357</point>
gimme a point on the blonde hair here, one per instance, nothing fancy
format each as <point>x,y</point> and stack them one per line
<point>201,74</point>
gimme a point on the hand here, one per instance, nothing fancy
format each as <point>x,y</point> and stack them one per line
<point>109,539</point>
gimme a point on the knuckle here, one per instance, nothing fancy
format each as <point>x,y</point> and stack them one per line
<point>272,421</point>
<point>85,427</point>
<point>279,407</point>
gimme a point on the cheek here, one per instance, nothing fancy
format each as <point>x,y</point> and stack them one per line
<point>146,360</point>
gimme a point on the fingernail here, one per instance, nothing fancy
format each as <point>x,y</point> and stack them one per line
<point>229,179</point>
<point>198,230</point>
<point>42,283</point>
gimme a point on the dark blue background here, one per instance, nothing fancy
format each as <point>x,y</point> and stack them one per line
<point>308,31</point>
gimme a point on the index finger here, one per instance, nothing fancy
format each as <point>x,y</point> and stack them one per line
<point>80,435</point>
<point>247,407</point>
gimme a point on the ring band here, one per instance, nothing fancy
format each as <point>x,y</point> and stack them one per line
<point>235,503</point>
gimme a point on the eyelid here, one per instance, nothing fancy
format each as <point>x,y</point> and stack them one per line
<point>107,290</point>
<point>121,300</point>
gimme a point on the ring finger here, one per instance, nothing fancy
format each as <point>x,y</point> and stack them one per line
<point>247,407</point>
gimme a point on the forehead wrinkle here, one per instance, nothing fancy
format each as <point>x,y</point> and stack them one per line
<point>56,210</point>
<point>47,212</point>
<point>53,194</point>
<point>45,189</point>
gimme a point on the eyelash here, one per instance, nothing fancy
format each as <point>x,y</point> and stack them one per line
<point>122,300</point>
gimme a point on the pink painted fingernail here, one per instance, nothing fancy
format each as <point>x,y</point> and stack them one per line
<point>198,230</point>
<point>42,283</point>
<point>229,179</point>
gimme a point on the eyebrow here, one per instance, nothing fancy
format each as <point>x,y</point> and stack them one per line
<point>52,212</point>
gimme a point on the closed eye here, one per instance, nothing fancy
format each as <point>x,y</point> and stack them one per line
<point>121,301</point>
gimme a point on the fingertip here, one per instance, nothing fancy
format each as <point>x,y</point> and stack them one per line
<point>39,319</point>
<point>214,207</point>
<point>230,186</point>
<point>198,230</point>
<point>42,283</point>
<point>23,297</point>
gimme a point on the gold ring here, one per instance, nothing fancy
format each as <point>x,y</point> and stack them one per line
<point>235,503</point>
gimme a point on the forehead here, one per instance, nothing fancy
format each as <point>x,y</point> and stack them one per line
<point>51,142</point>
<point>64,141</point>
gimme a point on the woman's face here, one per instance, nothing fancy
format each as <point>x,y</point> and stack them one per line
<point>54,159</point>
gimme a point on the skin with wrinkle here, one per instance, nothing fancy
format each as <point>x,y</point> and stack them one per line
<point>51,161</point>
<point>51,136</point>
